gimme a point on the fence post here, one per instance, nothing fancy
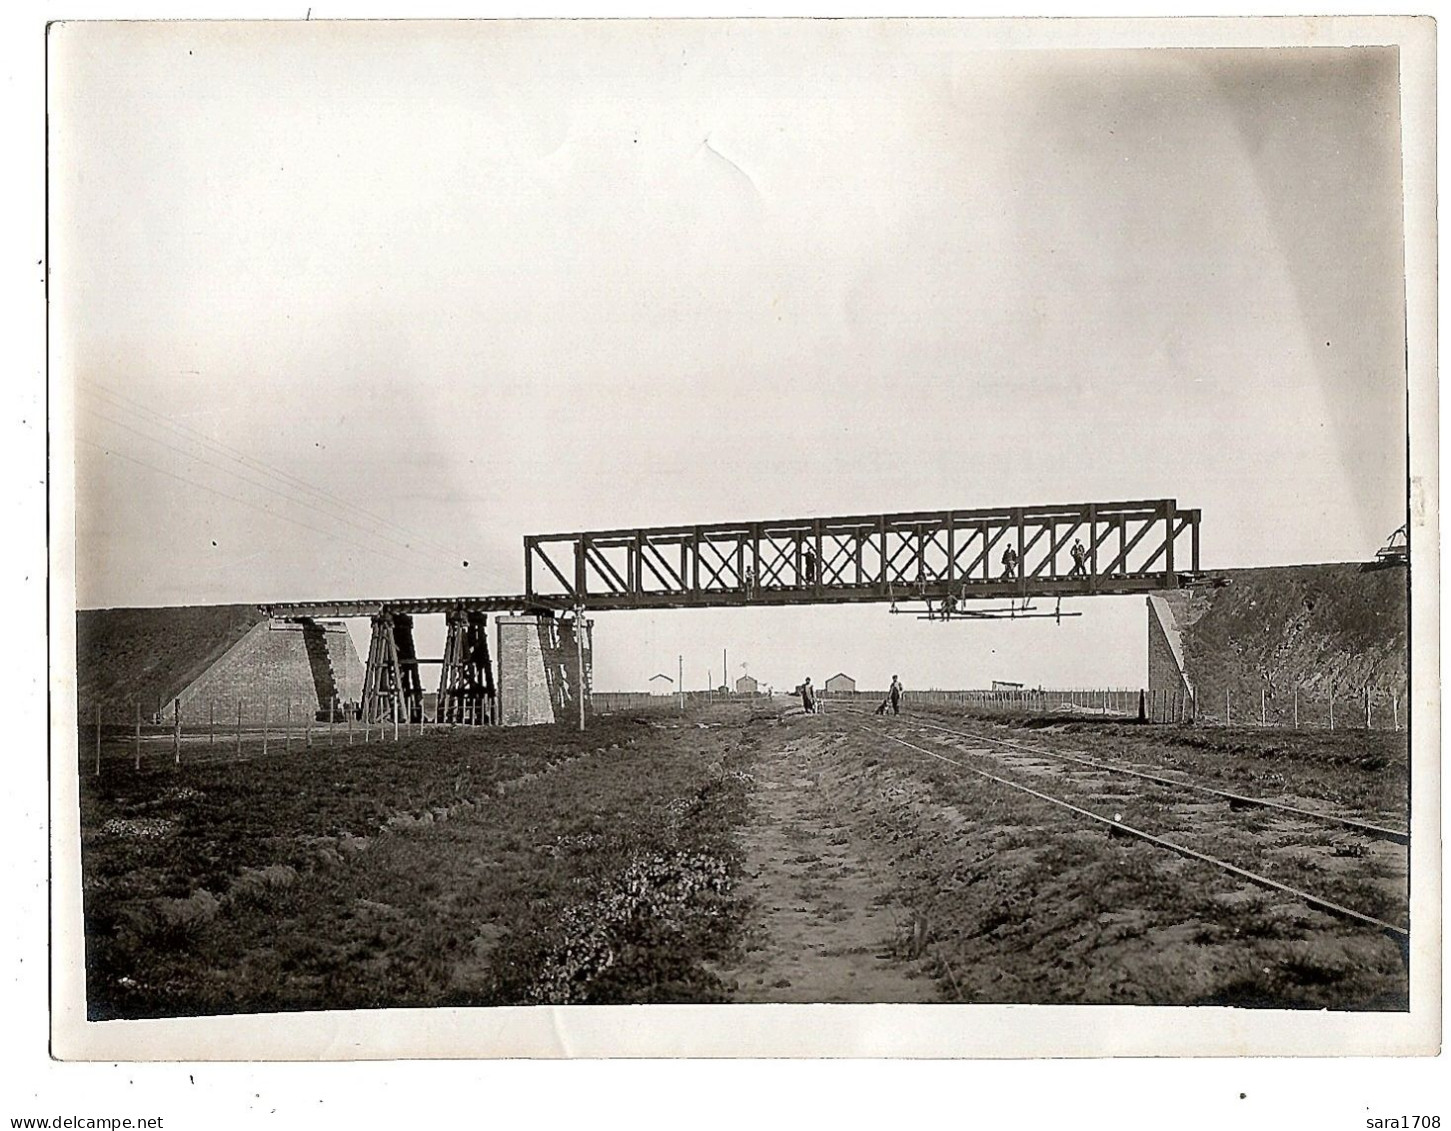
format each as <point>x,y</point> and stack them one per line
<point>307,721</point>
<point>350,726</point>
<point>211,723</point>
<point>176,731</point>
<point>1332,706</point>
<point>1395,710</point>
<point>1367,706</point>
<point>395,719</point>
<point>287,730</point>
<point>98,738</point>
<point>1263,719</point>
<point>266,721</point>
<point>239,728</point>
<point>1226,706</point>
<point>331,719</point>
<point>1297,706</point>
<point>137,743</point>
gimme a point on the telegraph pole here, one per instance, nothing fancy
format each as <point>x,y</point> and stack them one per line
<point>579,660</point>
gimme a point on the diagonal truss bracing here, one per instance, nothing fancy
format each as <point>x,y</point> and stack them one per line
<point>1074,549</point>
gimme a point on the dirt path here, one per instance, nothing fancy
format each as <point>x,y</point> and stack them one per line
<point>824,928</point>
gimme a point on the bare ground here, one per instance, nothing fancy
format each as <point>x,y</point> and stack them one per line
<point>724,856</point>
<point>823,925</point>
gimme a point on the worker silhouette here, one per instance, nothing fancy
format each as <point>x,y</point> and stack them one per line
<point>808,566</point>
<point>1080,556</point>
<point>808,697</point>
<point>1010,564</point>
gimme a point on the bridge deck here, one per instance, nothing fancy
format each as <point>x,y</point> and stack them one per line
<point>414,606</point>
<point>961,555</point>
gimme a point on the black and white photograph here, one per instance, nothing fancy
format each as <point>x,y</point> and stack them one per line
<point>731,517</point>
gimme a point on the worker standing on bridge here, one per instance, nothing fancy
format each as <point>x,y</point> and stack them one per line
<point>1010,564</point>
<point>1079,556</point>
<point>808,566</point>
<point>894,694</point>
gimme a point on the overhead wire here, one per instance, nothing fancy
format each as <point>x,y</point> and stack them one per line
<point>285,479</point>
<point>253,482</point>
<point>243,502</point>
<point>415,541</point>
<point>321,502</point>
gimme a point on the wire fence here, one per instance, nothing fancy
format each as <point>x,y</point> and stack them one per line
<point>237,731</point>
<point>1103,701</point>
<point>612,702</point>
<point>241,731</point>
<point>1297,706</point>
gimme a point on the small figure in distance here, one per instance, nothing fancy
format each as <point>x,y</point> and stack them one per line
<point>1080,556</point>
<point>808,566</point>
<point>894,695</point>
<point>808,697</point>
<point>748,580</point>
<point>1010,564</point>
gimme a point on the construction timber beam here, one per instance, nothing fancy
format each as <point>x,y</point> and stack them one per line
<point>1121,548</point>
<point>409,606</point>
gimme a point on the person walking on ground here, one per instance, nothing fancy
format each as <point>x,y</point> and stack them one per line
<point>808,697</point>
<point>1079,556</point>
<point>894,694</point>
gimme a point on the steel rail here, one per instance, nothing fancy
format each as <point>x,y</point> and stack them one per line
<point>1315,901</point>
<point>1379,832</point>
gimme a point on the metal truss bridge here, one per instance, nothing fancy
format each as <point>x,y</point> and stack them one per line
<point>1131,547</point>
<point>936,556</point>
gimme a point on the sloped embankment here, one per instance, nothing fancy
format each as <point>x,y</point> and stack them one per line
<point>146,656</point>
<point>1310,627</point>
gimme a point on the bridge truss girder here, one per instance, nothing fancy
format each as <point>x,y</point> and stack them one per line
<point>1130,547</point>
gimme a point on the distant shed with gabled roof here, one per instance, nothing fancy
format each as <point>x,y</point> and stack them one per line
<point>841,684</point>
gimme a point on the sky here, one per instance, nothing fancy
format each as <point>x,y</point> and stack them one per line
<point>347,306</point>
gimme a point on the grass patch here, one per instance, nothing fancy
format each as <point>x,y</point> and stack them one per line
<point>534,866</point>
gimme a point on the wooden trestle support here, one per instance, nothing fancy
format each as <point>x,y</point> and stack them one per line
<point>466,686</point>
<point>466,692</point>
<point>391,679</point>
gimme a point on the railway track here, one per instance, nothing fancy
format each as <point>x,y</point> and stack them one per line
<point>1235,800</point>
<point>1080,784</point>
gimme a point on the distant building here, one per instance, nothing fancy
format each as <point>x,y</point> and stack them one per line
<point>747,685</point>
<point>1006,685</point>
<point>661,684</point>
<point>840,684</point>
